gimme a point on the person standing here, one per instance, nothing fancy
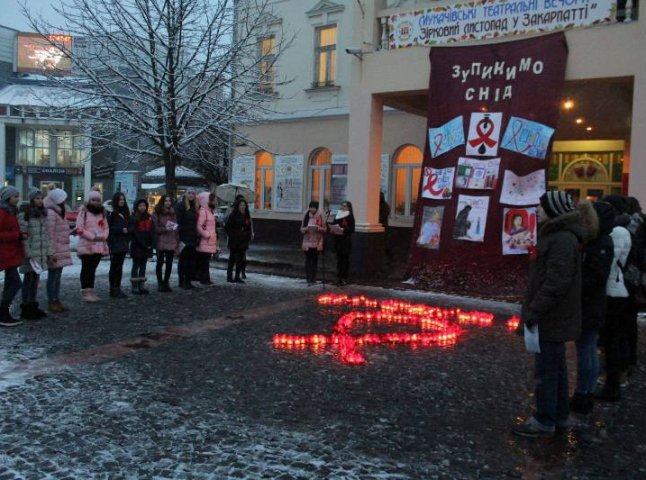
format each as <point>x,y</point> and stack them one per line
<point>238,230</point>
<point>344,221</point>
<point>118,242</point>
<point>186,211</point>
<point>59,236</point>
<point>598,252</point>
<point>553,304</point>
<point>142,235</point>
<point>384,216</point>
<point>208,236</point>
<point>165,222</point>
<point>614,336</point>
<point>38,251</point>
<point>312,229</point>
<point>11,252</point>
<point>93,230</point>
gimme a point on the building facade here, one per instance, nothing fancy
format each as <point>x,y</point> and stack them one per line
<point>350,107</point>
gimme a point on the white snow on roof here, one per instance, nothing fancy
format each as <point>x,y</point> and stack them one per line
<point>180,172</point>
<point>38,96</point>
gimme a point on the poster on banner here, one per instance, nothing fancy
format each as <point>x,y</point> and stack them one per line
<point>438,183</point>
<point>126,183</point>
<point>527,137</point>
<point>525,190</point>
<point>518,230</point>
<point>471,219</point>
<point>288,178</point>
<point>243,171</point>
<point>484,134</point>
<point>446,137</point>
<point>477,174</point>
<point>429,234</point>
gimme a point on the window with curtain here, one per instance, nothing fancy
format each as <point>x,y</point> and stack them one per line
<point>325,56</point>
<point>33,147</point>
<point>267,79</point>
<point>264,180</point>
<point>321,177</point>
<point>407,170</point>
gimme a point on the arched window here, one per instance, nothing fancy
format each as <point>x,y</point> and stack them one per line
<point>320,176</point>
<point>264,180</point>
<point>407,169</point>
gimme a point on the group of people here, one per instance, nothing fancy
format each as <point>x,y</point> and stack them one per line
<point>314,227</point>
<point>586,284</point>
<point>36,238</point>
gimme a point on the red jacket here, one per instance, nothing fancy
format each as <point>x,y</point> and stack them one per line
<point>11,252</point>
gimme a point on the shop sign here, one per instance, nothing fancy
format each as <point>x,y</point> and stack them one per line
<point>20,170</point>
<point>103,171</point>
<point>496,18</point>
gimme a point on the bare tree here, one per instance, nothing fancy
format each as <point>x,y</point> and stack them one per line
<point>166,80</point>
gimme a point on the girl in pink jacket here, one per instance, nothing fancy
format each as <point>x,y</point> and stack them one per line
<point>208,236</point>
<point>92,229</point>
<point>59,238</point>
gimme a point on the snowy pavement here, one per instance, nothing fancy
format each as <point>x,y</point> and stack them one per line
<point>189,385</point>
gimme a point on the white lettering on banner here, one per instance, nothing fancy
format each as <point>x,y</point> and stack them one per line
<point>497,18</point>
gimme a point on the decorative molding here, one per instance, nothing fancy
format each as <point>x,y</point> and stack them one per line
<point>270,19</point>
<point>325,6</point>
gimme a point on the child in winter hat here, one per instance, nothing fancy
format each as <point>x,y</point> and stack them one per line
<point>57,195</point>
<point>557,203</point>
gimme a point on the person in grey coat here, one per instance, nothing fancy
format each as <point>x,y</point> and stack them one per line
<point>553,303</point>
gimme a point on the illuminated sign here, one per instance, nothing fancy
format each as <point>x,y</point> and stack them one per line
<point>38,54</point>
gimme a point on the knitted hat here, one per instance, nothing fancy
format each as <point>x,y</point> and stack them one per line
<point>7,192</point>
<point>191,190</point>
<point>94,194</point>
<point>57,195</point>
<point>34,192</point>
<point>557,203</point>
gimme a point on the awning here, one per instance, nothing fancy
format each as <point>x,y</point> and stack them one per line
<point>180,172</point>
<point>151,186</point>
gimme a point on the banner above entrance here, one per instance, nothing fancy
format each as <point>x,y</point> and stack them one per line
<point>491,19</point>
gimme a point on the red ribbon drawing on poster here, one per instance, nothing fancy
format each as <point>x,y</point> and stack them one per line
<point>438,144</point>
<point>517,128</point>
<point>432,181</point>
<point>484,136</point>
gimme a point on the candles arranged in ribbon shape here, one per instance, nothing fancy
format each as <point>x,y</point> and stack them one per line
<point>435,326</point>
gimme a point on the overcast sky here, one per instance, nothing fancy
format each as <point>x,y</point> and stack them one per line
<point>12,17</point>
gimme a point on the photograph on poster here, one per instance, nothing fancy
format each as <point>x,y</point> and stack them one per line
<point>522,190</point>
<point>477,174</point>
<point>527,137</point>
<point>484,134</point>
<point>518,230</point>
<point>446,137</point>
<point>429,233</point>
<point>471,219</point>
<point>438,183</point>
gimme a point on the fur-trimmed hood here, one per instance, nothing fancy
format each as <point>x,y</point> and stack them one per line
<point>589,220</point>
<point>568,221</point>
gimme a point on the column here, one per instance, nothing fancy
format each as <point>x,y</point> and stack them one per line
<point>3,154</point>
<point>637,167</point>
<point>87,164</point>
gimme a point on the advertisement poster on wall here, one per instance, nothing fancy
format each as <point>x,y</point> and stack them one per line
<point>243,171</point>
<point>126,182</point>
<point>288,178</point>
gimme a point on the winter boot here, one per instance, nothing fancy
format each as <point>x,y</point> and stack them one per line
<point>135,286</point>
<point>55,307</point>
<point>142,290</point>
<point>26,312</point>
<point>38,313</point>
<point>6,320</point>
<point>164,287</point>
<point>86,295</point>
<point>93,296</point>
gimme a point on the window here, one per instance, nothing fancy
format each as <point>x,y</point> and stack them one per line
<point>264,180</point>
<point>321,177</point>
<point>33,147</point>
<point>69,151</point>
<point>267,69</point>
<point>325,55</point>
<point>407,170</point>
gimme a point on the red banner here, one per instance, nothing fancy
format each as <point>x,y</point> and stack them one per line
<point>492,111</point>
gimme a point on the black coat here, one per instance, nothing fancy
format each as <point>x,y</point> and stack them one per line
<point>238,230</point>
<point>343,243</point>
<point>553,299</point>
<point>143,237</point>
<point>187,224</point>
<point>117,240</point>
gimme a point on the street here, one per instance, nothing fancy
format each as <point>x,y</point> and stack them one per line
<point>189,385</point>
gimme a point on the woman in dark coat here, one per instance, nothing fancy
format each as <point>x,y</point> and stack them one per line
<point>238,230</point>
<point>118,242</point>
<point>11,252</point>
<point>344,220</point>
<point>187,210</point>
<point>142,231</point>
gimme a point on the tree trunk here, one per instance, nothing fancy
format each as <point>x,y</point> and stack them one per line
<point>170,162</point>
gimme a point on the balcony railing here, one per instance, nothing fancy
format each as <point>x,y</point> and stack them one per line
<point>450,21</point>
